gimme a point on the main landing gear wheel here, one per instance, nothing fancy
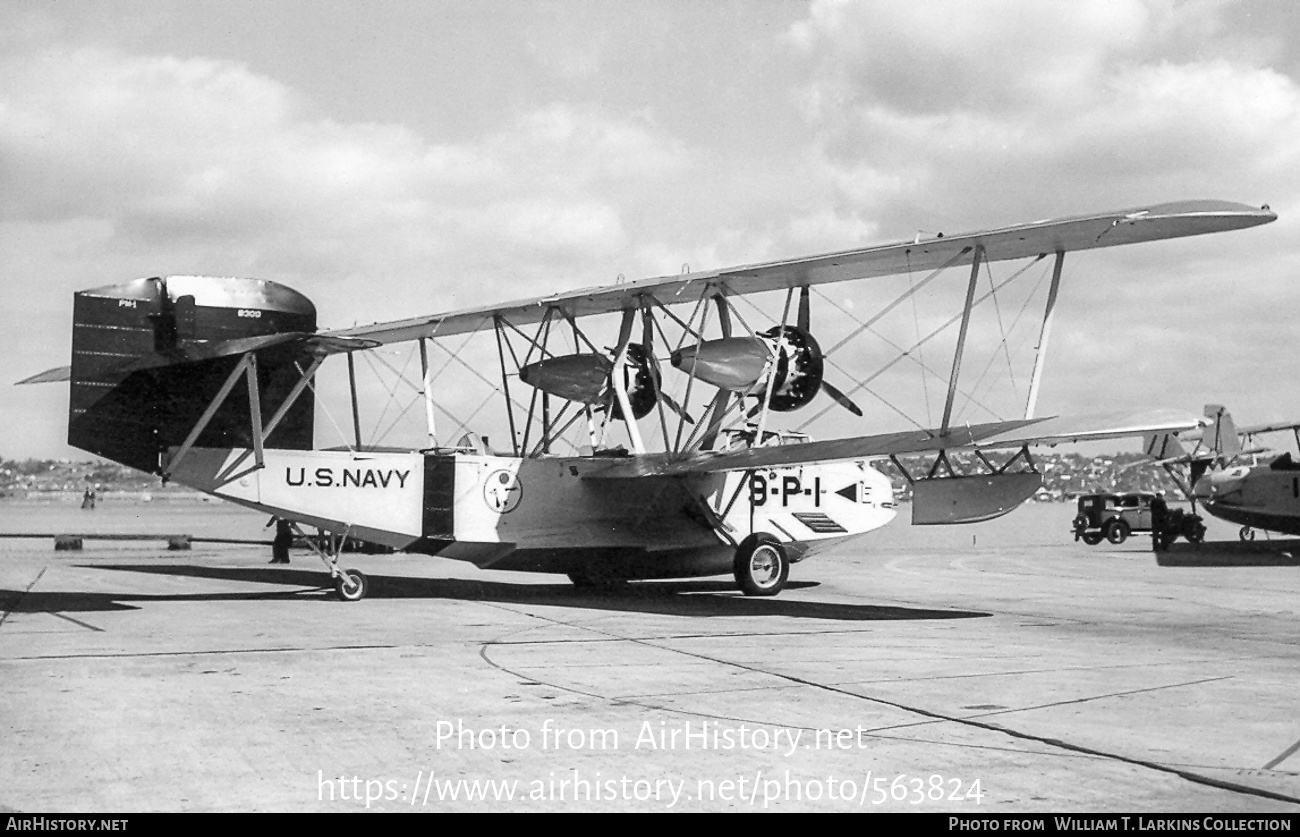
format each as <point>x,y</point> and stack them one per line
<point>1117,531</point>
<point>761,566</point>
<point>352,585</point>
<point>1246,533</point>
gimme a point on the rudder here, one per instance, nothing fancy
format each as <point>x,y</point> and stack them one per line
<point>148,357</point>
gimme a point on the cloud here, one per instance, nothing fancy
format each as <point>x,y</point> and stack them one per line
<point>1006,105</point>
<point>210,167</point>
<point>939,117</point>
<point>994,57</point>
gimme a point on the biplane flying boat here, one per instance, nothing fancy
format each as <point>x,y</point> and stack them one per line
<point>201,380</point>
<point>1227,478</point>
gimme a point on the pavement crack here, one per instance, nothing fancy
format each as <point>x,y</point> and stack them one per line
<point>1102,696</point>
<point>86,625</point>
<point>1024,736</point>
<point>1283,756</point>
<point>972,722</point>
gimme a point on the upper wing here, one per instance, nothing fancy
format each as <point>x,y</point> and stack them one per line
<point>1256,429</point>
<point>1244,431</point>
<point>999,434</point>
<point>1107,229</point>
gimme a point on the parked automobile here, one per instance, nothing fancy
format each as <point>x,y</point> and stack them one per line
<point>1113,517</point>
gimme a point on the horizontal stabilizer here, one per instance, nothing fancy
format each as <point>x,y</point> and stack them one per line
<point>149,357</point>
<point>200,350</point>
<point>49,376</point>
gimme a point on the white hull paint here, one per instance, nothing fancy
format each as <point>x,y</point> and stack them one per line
<point>540,514</point>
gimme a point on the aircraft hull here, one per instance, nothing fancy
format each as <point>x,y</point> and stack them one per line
<point>1269,521</point>
<point>1262,497</point>
<point>541,515</point>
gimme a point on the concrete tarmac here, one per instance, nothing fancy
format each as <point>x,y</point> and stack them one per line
<point>909,671</point>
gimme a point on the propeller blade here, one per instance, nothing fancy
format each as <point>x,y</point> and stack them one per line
<point>844,400</point>
<point>805,311</point>
<point>675,407</point>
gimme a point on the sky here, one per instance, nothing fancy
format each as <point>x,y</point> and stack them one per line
<point>390,159</point>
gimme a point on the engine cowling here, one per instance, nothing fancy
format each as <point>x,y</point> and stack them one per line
<point>585,378</point>
<point>740,364</point>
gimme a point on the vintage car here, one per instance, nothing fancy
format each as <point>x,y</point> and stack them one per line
<point>1113,517</point>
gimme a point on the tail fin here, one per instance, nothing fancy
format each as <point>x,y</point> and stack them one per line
<point>1221,434</point>
<point>148,357</point>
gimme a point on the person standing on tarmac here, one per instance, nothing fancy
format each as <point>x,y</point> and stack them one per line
<point>283,540</point>
<point>1160,521</point>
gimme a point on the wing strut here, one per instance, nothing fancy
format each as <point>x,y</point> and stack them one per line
<point>304,381</point>
<point>690,381</point>
<point>772,366</point>
<point>427,380</point>
<point>722,398</point>
<point>260,432</point>
<point>247,365</point>
<point>620,386</point>
<point>1043,335</point>
<point>976,261</point>
<point>505,381</point>
<point>539,343</point>
<point>356,410</point>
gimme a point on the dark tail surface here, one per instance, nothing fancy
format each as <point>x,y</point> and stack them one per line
<point>148,357</point>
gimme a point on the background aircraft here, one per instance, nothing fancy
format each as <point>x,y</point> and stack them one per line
<point>201,380</point>
<point>1259,495</point>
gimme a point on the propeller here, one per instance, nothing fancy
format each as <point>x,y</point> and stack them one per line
<point>805,324</point>
<point>652,367</point>
<point>740,364</point>
<point>586,378</point>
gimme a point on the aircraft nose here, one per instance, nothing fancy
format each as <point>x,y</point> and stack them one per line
<point>1220,486</point>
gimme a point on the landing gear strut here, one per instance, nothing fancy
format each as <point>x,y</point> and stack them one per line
<point>351,585</point>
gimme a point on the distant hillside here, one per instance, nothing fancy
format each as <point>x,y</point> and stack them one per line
<point>1063,475</point>
<point>20,477</point>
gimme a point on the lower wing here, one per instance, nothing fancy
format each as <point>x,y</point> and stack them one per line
<point>992,435</point>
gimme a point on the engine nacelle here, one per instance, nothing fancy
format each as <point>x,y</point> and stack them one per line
<point>585,378</point>
<point>740,364</point>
